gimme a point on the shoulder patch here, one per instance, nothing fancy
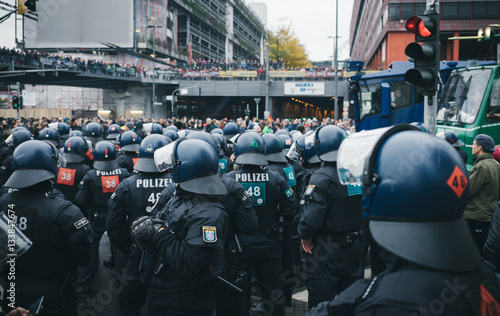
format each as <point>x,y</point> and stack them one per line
<point>310,189</point>
<point>289,192</point>
<point>209,233</point>
<point>81,223</point>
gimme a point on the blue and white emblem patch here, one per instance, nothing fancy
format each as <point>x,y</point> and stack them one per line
<point>209,233</point>
<point>310,189</point>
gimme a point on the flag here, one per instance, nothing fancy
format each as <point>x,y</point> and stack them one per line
<point>191,50</point>
<point>270,119</point>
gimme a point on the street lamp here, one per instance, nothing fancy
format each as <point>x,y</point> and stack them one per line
<point>153,99</point>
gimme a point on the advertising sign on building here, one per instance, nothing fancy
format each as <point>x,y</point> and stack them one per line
<point>304,88</point>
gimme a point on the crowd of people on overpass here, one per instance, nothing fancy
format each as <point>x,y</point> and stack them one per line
<point>98,66</point>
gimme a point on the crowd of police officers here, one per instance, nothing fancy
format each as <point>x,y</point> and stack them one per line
<point>192,229</point>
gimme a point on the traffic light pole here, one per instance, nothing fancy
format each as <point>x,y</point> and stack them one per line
<point>430,102</point>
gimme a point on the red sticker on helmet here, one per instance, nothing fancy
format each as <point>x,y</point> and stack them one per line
<point>135,160</point>
<point>457,181</point>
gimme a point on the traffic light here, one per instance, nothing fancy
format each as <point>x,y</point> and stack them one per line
<point>424,51</point>
<point>15,102</point>
<point>21,7</point>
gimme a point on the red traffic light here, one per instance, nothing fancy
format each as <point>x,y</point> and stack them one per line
<point>421,25</point>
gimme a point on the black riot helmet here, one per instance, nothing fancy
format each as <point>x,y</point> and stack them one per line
<point>172,127</point>
<point>156,129</point>
<point>33,162</point>
<point>104,153</point>
<point>75,149</point>
<point>171,134</point>
<point>327,140</point>
<point>250,149</point>
<point>282,132</point>
<point>18,137</point>
<point>274,148</point>
<point>76,133</point>
<point>49,134</point>
<point>93,132</point>
<point>217,131</point>
<point>206,137</point>
<point>222,143</point>
<point>230,130</point>
<point>129,141</point>
<point>113,131</point>
<point>147,149</point>
<point>415,189</point>
<point>286,140</point>
<point>62,129</point>
<point>194,165</point>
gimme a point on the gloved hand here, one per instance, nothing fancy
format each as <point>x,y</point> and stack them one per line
<point>144,229</point>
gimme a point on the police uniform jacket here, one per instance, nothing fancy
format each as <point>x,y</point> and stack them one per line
<point>330,207</point>
<point>134,197</point>
<point>127,160</point>
<point>68,179</point>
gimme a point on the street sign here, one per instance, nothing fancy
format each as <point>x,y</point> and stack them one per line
<point>257,100</point>
<point>29,98</point>
<point>266,114</point>
<point>307,88</point>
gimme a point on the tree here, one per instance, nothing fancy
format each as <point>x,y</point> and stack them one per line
<point>284,44</point>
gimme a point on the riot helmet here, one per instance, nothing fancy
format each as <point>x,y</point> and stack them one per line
<point>415,189</point>
<point>282,132</point>
<point>147,149</point>
<point>20,128</point>
<point>171,134</point>
<point>33,162</point>
<point>194,165</point>
<point>274,148</point>
<point>451,137</point>
<point>327,140</point>
<point>217,131</point>
<point>156,129</point>
<point>49,134</point>
<point>421,126</point>
<point>75,149</point>
<point>62,129</point>
<point>104,153</point>
<point>113,131</point>
<point>230,130</point>
<point>76,133</point>
<point>206,137</point>
<point>129,141</point>
<point>172,127</point>
<point>300,150</point>
<point>18,137</point>
<point>222,143</point>
<point>287,142</point>
<point>93,132</point>
<point>250,149</point>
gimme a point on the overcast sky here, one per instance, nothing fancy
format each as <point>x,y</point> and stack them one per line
<point>313,21</point>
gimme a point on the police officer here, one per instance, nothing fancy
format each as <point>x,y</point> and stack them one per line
<point>129,150</point>
<point>15,139</point>
<point>93,132</point>
<point>69,176</point>
<point>63,131</point>
<point>434,267</point>
<point>156,129</point>
<point>134,198</point>
<point>171,134</point>
<point>230,130</point>
<point>225,163</point>
<point>184,242</point>
<point>330,222</point>
<point>93,194</point>
<point>291,256</point>
<point>272,197</point>
<point>57,228</point>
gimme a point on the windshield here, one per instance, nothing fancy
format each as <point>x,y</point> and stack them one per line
<point>462,96</point>
<point>369,100</point>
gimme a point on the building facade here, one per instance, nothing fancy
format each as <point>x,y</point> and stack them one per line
<point>378,35</point>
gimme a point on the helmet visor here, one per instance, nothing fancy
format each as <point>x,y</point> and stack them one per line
<point>147,127</point>
<point>13,242</point>
<point>10,140</point>
<point>295,152</point>
<point>353,153</point>
<point>164,157</point>
<point>310,140</point>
